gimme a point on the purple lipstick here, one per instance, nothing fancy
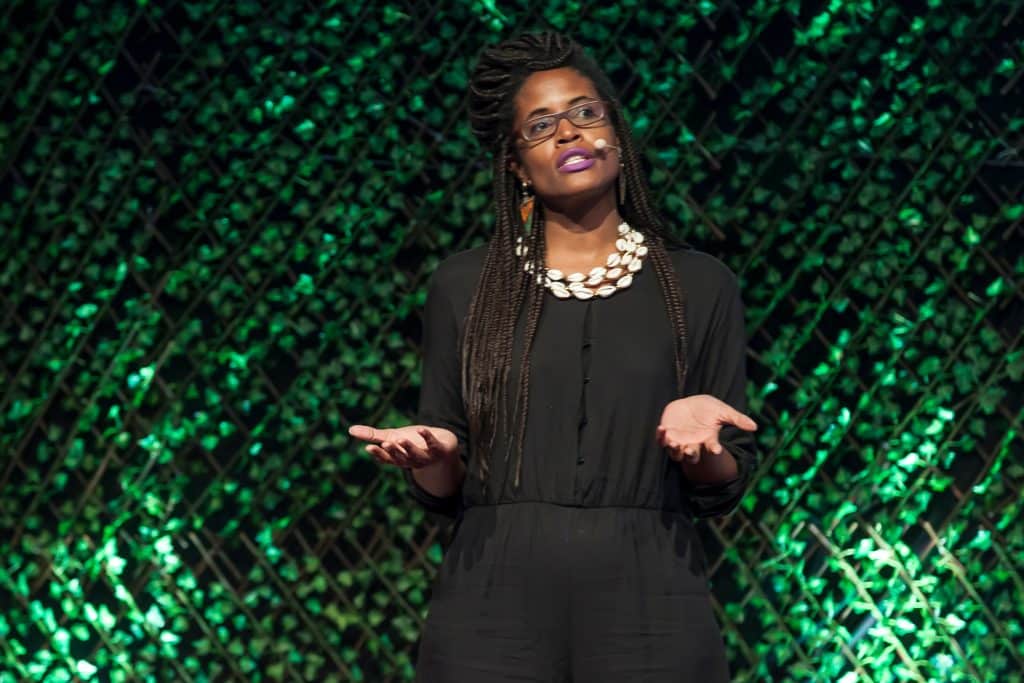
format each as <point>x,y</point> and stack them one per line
<point>574,159</point>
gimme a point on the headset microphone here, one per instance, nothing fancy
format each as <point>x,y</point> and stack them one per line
<point>601,143</point>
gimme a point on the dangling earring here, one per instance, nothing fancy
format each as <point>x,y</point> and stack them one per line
<point>622,184</point>
<point>526,204</point>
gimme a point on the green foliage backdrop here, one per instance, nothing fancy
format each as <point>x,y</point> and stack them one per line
<point>216,224</point>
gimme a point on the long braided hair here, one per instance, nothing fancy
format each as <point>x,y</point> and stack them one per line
<point>505,290</point>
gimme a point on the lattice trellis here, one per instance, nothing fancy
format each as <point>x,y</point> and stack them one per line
<point>217,221</point>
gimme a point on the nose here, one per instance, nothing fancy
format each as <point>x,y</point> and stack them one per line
<point>566,130</point>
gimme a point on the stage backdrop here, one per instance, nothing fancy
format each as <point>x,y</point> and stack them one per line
<point>217,224</point>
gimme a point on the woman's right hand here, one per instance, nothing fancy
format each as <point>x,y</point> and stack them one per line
<point>414,446</point>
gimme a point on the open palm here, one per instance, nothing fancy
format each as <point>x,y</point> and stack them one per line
<point>413,446</point>
<point>692,423</point>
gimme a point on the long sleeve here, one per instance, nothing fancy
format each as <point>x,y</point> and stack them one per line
<point>722,373</point>
<point>440,399</point>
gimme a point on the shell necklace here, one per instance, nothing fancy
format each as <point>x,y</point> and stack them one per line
<point>602,281</point>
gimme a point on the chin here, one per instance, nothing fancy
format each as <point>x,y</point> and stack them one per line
<point>589,192</point>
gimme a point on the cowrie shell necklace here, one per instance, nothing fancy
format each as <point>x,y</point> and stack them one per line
<point>602,281</point>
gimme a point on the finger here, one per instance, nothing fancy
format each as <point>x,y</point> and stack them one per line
<point>429,437</point>
<point>691,452</point>
<point>742,421</point>
<point>410,455</point>
<point>417,456</point>
<point>379,453</point>
<point>713,445</point>
<point>675,450</point>
<point>361,431</point>
<point>367,433</point>
<point>391,455</point>
<point>398,455</point>
<point>433,444</point>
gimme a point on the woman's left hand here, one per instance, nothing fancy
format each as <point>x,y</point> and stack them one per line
<point>692,423</point>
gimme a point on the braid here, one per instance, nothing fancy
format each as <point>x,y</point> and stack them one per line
<point>484,354</point>
<point>536,247</point>
<point>504,290</point>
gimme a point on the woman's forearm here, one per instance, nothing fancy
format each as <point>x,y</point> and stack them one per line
<point>442,479</point>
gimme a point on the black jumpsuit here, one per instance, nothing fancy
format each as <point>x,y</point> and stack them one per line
<point>592,570</point>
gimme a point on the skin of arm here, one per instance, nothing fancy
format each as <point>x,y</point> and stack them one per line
<point>443,478</point>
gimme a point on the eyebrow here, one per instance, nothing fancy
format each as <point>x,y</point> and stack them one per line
<point>544,110</point>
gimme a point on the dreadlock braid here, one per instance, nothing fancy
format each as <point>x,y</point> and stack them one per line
<point>505,291</point>
<point>536,299</point>
<point>485,357</point>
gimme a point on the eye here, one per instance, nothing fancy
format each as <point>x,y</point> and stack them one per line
<point>538,126</point>
<point>587,112</point>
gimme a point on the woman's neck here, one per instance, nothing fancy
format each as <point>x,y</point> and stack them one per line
<point>579,241</point>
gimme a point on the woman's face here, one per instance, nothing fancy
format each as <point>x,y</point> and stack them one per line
<point>543,162</point>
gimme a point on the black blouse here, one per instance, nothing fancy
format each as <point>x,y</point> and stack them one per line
<point>601,373</point>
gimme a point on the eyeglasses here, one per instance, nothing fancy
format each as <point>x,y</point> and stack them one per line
<point>583,115</point>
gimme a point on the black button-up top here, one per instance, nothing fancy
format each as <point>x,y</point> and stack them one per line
<point>601,372</point>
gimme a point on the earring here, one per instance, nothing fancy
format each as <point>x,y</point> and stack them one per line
<point>526,203</point>
<point>622,184</point>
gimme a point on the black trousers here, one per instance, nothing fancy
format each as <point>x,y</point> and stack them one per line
<point>554,594</point>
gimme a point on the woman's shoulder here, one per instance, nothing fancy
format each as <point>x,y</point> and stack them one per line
<point>461,269</point>
<point>699,268</point>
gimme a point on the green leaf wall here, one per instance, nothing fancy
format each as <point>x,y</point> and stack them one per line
<point>216,225</point>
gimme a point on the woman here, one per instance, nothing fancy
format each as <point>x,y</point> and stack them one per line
<point>574,417</point>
